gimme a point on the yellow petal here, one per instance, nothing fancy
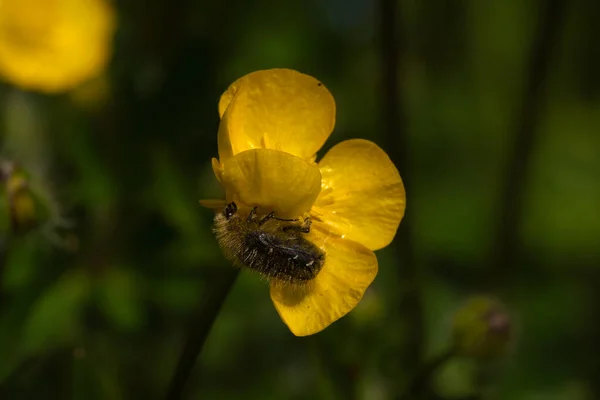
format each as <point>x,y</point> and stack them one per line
<point>362,194</point>
<point>273,180</point>
<point>348,271</point>
<point>217,205</point>
<point>217,169</point>
<point>223,136</point>
<point>279,109</point>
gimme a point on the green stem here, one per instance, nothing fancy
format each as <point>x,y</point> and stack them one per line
<point>420,383</point>
<point>4,240</point>
<point>207,313</point>
<point>409,302</point>
<point>333,372</point>
<point>526,136</point>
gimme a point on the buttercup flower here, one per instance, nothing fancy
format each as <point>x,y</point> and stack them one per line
<point>54,45</point>
<point>273,122</point>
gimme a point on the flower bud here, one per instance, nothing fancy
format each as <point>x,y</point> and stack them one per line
<point>19,201</point>
<point>481,329</point>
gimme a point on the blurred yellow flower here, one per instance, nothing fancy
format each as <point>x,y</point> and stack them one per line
<point>273,122</point>
<point>54,45</point>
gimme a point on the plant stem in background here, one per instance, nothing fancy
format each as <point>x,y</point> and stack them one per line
<point>409,306</point>
<point>420,382</point>
<point>332,372</point>
<point>519,156</point>
<point>211,304</point>
<point>4,240</point>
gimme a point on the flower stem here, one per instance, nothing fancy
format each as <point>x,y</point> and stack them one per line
<point>409,302</point>
<point>332,371</point>
<point>526,135</point>
<point>421,380</point>
<point>3,258</point>
<point>209,308</point>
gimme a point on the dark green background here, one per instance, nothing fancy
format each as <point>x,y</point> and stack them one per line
<point>107,319</point>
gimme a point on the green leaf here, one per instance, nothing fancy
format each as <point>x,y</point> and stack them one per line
<point>56,316</point>
<point>21,266</point>
<point>118,296</point>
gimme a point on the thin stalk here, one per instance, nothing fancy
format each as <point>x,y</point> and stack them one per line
<point>207,314</point>
<point>4,240</point>
<point>410,307</point>
<point>421,381</point>
<point>335,373</point>
<point>525,139</point>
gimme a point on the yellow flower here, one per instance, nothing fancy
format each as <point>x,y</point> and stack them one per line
<point>54,45</point>
<point>273,122</point>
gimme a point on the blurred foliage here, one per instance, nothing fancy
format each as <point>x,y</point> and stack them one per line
<point>95,302</point>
